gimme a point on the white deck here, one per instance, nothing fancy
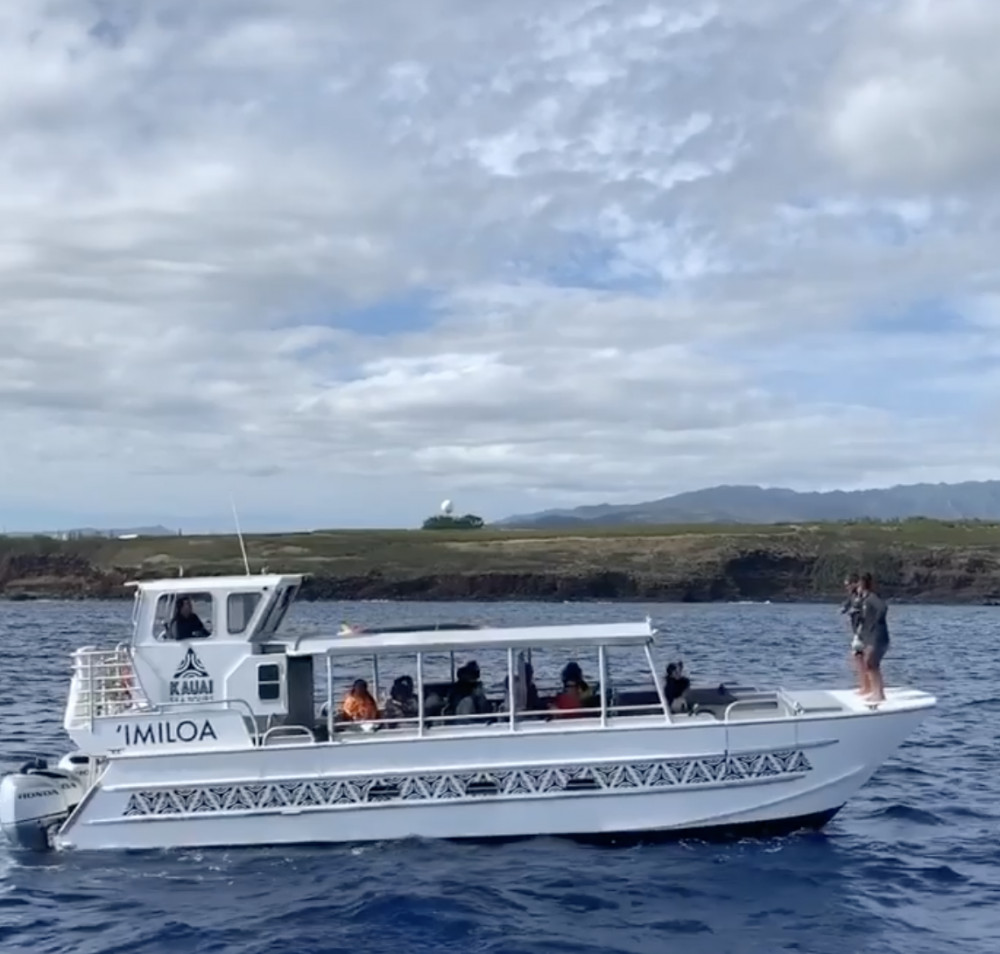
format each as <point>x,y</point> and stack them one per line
<point>897,699</point>
<point>469,640</point>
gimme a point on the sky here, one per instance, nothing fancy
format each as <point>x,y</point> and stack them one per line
<point>338,261</point>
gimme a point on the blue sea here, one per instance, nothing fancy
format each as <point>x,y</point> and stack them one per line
<point>910,866</point>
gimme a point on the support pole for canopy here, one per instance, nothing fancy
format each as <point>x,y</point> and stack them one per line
<point>656,682</point>
<point>329,698</point>
<point>420,694</point>
<point>511,693</point>
<point>602,675</point>
<point>375,677</point>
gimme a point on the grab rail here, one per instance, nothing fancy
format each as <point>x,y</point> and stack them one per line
<point>794,706</point>
<point>234,704</point>
<point>739,702</point>
<point>104,684</point>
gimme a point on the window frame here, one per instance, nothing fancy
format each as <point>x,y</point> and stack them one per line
<point>276,682</point>
<point>247,617</point>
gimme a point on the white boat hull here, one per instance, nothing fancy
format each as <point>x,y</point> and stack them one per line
<point>650,778</point>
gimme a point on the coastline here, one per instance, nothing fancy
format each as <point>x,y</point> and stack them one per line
<point>917,561</point>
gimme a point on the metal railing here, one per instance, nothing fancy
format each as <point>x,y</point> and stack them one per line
<point>104,684</point>
<point>499,716</point>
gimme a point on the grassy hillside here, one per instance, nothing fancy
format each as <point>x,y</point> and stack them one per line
<point>420,551</point>
<point>697,561</point>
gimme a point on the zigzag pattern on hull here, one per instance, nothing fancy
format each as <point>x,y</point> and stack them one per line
<point>449,786</point>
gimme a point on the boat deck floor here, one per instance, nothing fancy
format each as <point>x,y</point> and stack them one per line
<point>897,698</point>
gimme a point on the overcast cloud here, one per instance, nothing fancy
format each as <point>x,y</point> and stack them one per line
<point>342,260</point>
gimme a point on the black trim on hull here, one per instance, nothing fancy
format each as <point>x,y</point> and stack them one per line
<point>772,828</point>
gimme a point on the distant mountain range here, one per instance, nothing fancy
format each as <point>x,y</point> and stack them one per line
<point>972,500</point>
<point>81,532</point>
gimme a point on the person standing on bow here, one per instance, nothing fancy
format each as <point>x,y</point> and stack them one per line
<point>852,606</point>
<point>874,634</point>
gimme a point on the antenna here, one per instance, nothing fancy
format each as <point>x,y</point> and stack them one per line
<point>239,535</point>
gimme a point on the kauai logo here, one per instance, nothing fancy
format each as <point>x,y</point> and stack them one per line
<point>191,682</point>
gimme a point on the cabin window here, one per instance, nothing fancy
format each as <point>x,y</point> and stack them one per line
<point>279,607</point>
<point>269,682</point>
<point>183,616</point>
<point>239,611</point>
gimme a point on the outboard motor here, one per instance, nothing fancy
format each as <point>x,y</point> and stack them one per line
<point>34,800</point>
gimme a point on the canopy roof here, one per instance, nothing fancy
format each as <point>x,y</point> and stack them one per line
<point>202,584</point>
<point>449,640</point>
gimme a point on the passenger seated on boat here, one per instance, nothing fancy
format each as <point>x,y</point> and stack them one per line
<point>526,697</point>
<point>358,704</point>
<point>186,623</point>
<point>573,673</point>
<point>467,696</point>
<point>433,704</point>
<point>676,686</point>
<point>402,702</point>
<point>570,698</point>
<point>532,700</point>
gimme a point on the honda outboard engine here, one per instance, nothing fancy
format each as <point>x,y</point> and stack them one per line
<point>36,799</point>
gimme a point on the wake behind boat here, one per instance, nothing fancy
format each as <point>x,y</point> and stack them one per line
<point>205,731</point>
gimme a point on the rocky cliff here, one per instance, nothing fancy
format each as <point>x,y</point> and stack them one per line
<point>799,565</point>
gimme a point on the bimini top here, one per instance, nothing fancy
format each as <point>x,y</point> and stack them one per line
<point>193,584</point>
<point>448,640</point>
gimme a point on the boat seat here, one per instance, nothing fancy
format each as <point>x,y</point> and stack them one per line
<point>698,715</point>
<point>638,697</point>
<point>288,735</point>
<point>710,696</point>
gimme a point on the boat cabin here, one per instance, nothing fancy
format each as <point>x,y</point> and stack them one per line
<point>199,640</point>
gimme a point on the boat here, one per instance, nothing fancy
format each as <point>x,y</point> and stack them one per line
<point>218,725</point>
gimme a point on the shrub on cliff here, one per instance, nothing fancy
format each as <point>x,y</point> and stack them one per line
<point>446,522</point>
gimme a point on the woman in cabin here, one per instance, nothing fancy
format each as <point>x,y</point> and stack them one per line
<point>402,703</point>
<point>186,623</point>
<point>359,705</point>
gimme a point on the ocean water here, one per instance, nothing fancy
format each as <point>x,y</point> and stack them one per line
<point>911,865</point>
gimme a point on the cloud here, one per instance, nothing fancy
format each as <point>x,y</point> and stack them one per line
<point>345,264</point>
<point>919,105</point>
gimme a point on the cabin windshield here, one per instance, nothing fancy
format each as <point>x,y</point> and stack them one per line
<point>280,603</point>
